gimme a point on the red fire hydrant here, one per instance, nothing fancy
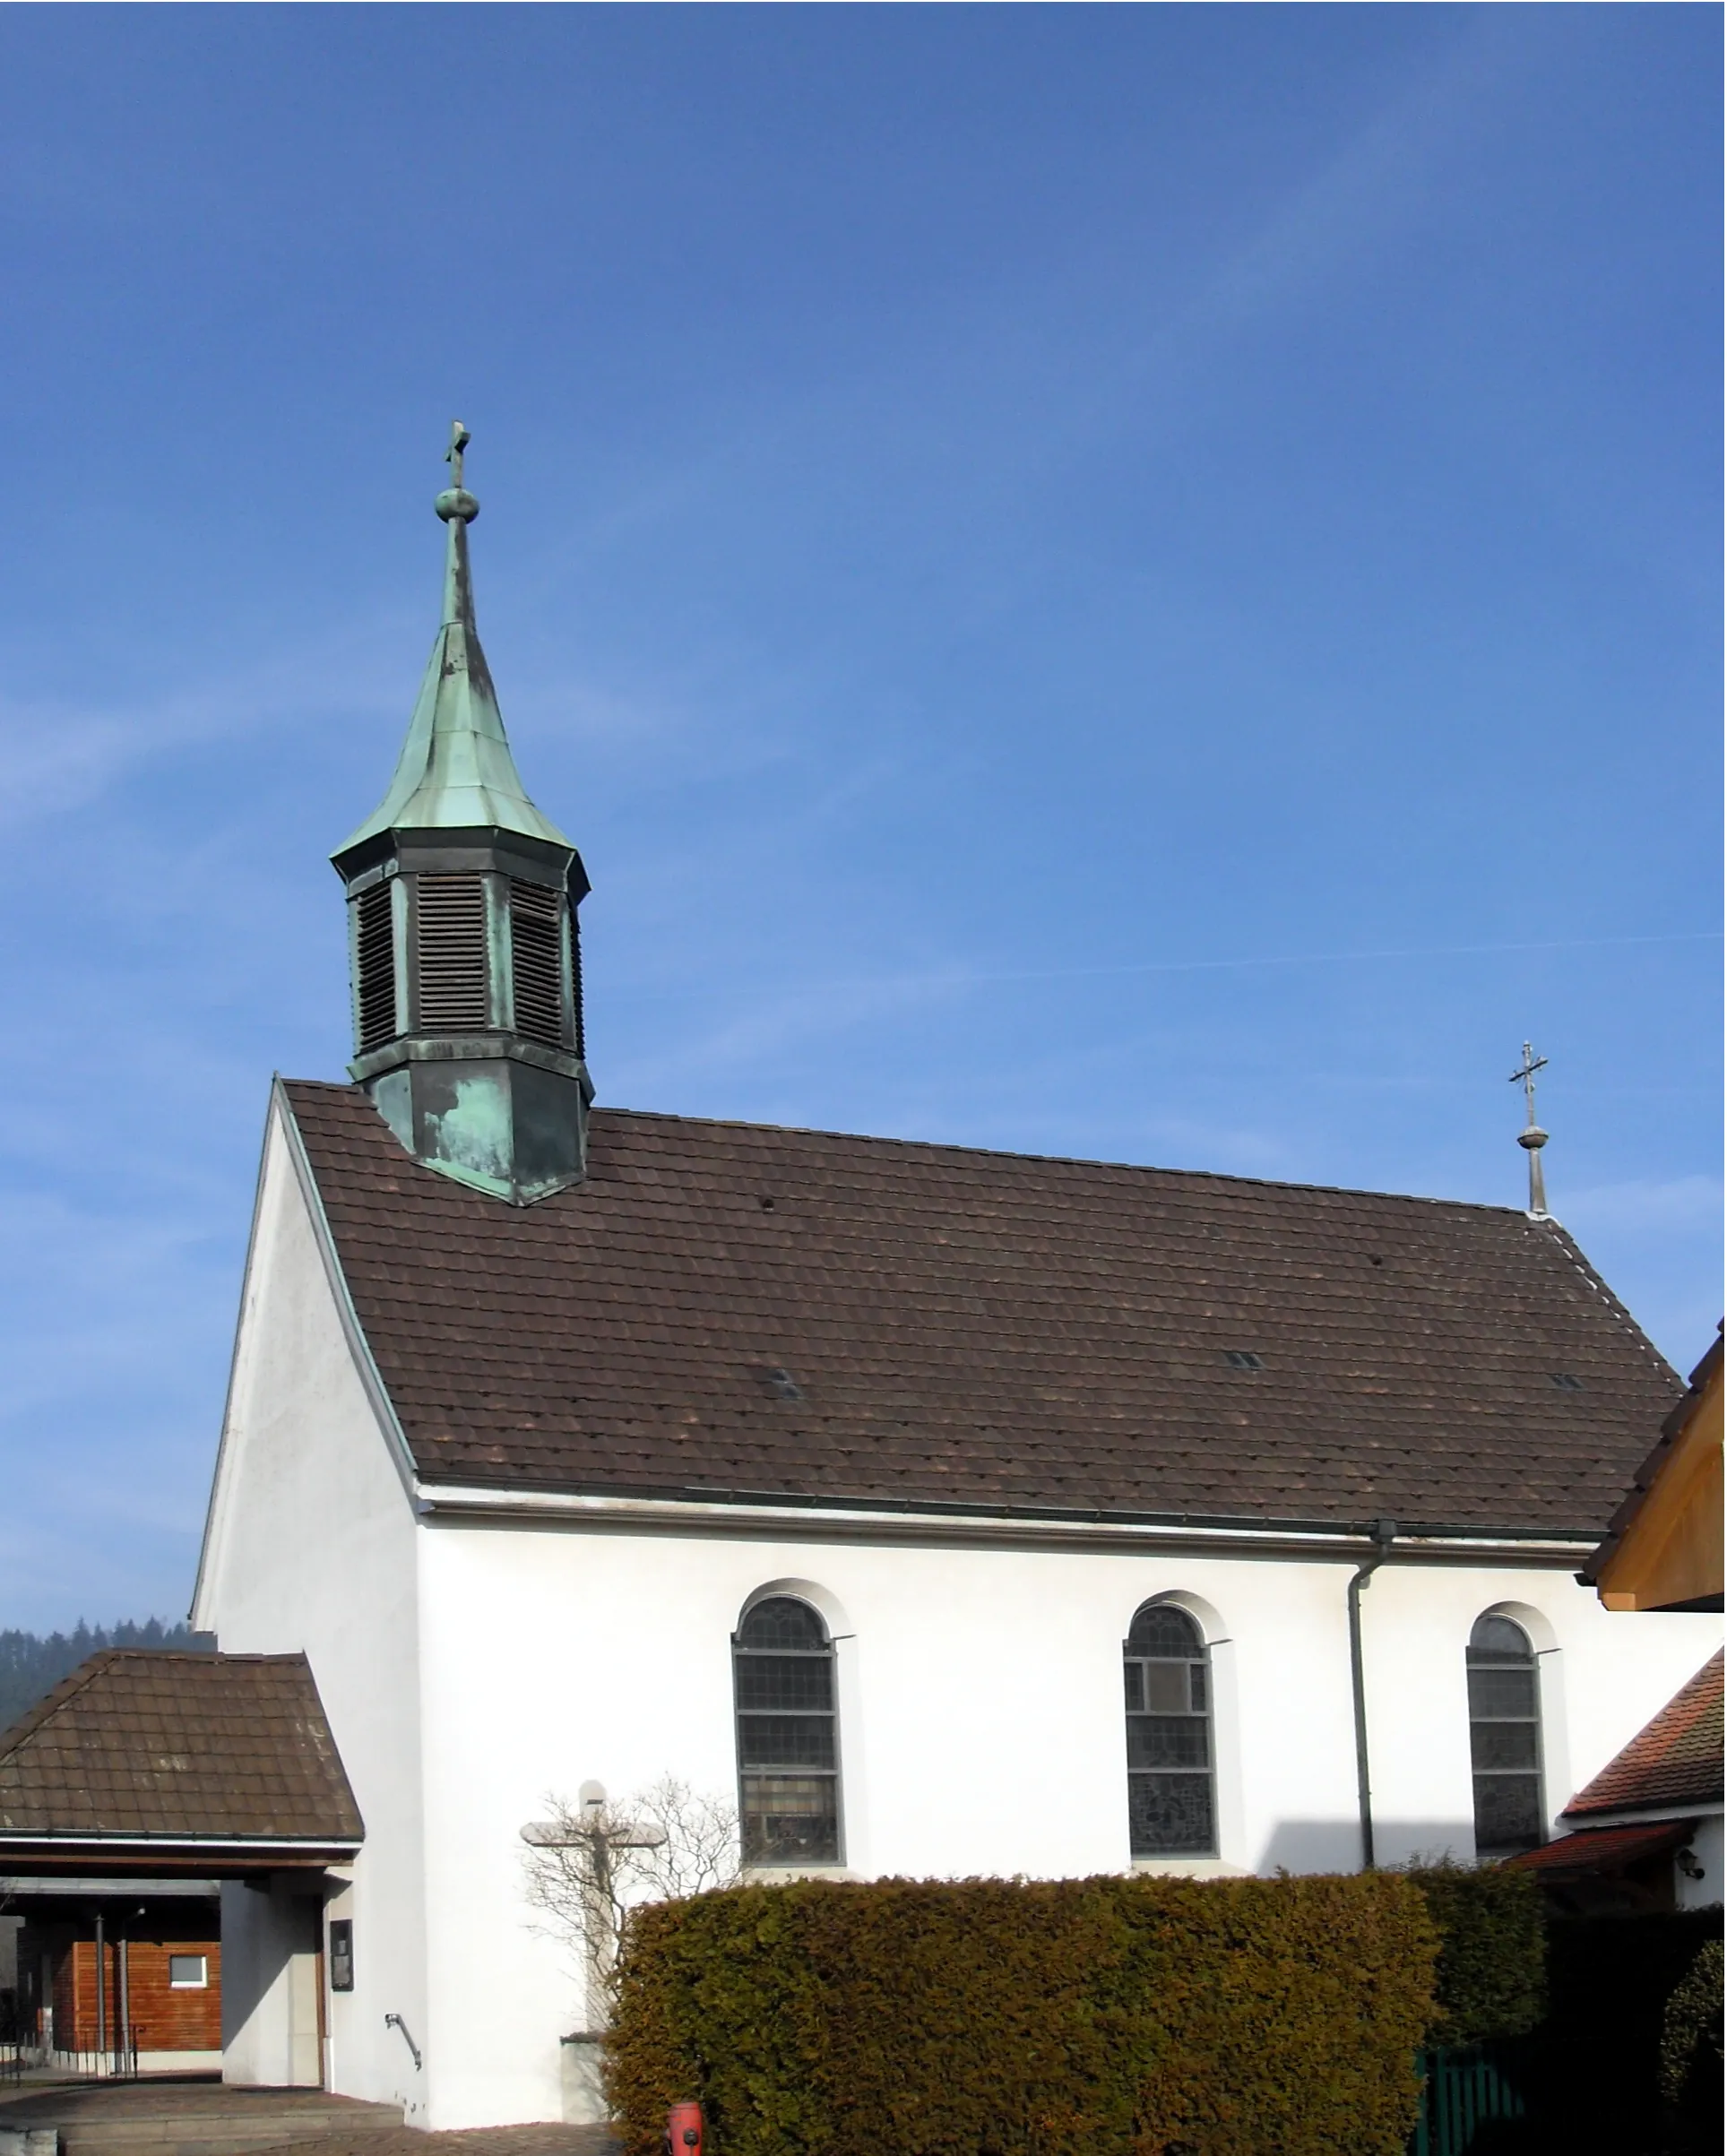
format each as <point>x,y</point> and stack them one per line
<point>683,2130</point>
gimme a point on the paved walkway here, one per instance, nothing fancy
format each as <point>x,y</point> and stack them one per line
<point>199,2116</point>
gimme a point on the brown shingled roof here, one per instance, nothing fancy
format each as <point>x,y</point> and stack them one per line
<point>1674,1759</point>
<point>975,1328</point>
<point>183,1746</point>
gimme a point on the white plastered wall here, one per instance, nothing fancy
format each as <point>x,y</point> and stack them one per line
<point>982,1727</point>
<point>310,1547</point>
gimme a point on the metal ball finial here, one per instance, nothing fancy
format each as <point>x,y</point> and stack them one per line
<point>455,500</point>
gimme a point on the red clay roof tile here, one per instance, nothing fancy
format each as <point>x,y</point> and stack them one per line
<point>1674,1759</point>
<point>1602,1849</point>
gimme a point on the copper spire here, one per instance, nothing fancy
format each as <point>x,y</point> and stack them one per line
<point>455,771</point>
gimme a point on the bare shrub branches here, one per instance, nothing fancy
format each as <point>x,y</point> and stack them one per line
<point>591,1862</point>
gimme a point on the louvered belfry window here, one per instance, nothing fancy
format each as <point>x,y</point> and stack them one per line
<point>375,968</point>
<point>575,982</point>
<point>452,931</point>
<point>537,962</point>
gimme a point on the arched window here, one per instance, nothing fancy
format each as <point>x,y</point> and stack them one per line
<point>788,1735</point>
<point>1504,1738</point>
<point>1171,1808</point>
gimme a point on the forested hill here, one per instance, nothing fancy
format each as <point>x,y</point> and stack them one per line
<point>30,1665</point>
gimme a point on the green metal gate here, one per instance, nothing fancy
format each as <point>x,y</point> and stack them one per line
<point>1461,2090</point>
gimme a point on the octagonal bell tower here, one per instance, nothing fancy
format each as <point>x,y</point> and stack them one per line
<point>463,934</point>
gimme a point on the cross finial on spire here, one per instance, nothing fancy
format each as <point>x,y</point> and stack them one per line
<point>1533,1137</point>
<point>459,440</point>
<point>455,505</point>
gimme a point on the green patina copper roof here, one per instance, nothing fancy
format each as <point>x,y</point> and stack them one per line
<point>456,772</point>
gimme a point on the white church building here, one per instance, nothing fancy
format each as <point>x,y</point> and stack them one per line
<point>949,1511</point>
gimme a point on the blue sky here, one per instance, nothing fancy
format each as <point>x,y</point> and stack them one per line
<point>1140,582</point>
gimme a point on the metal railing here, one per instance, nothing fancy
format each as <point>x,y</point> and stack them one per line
<point>1461,2090</point>
<point>28,2052</point>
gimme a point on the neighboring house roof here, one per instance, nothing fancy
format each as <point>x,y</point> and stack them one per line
<point>1603,1848</point>
<point>727,1310</point>
<point>1674,1759</point>
<point>137,1745</point>
<point>1663,1545</point>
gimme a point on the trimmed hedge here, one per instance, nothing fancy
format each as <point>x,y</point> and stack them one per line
<point>1160,2017</point>
<point>1690,2052</point>
<point>1491,1981</point>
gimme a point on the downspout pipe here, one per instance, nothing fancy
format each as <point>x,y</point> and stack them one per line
<point>1384,1534</point>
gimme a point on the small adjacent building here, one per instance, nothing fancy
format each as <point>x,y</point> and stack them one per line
<point>1646,1832</point>
<point>1662,1550</point>
<point>130,1979</point>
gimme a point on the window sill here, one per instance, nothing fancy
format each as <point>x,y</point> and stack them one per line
<point>1188,1868</point>
<point>778,1875</point>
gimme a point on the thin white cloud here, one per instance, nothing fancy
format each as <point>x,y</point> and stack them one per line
<point>961,976</point>
<point>57,756</point>
<point>1380,177</point>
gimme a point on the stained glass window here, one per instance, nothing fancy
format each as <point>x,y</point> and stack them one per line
<point>1172,1810</point>
<point>788,1735</point>
<point>1504,1738</point>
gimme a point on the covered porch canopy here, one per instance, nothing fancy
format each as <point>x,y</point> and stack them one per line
<point>131,1798</point>
<point>143,1766</point>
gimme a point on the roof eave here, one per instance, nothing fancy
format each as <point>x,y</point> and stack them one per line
<point>1645,1815</point>
<point>745,1512</point>
<point>55,1854</point>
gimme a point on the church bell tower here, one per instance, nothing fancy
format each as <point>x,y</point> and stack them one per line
<point>462,936</point>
